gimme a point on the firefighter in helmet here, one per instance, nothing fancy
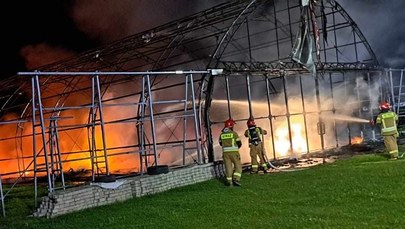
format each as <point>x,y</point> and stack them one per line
<point>230,142</point>
<point>387,120</point>
<point>256,145</point>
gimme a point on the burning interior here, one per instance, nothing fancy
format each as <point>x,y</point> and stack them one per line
<point>121,108</point>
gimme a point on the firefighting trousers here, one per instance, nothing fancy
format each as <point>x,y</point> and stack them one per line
<point>233,166</point>
<point>390,142</point>
<point>257,150</point>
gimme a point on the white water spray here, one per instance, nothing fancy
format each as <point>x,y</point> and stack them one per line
<point>347,118</point>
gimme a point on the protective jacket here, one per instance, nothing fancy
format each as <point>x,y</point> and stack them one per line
<point>387,120</point>
<point>230,142</point>
<point>256,148</point>
<point>254,133</point>
<point>388,123</point>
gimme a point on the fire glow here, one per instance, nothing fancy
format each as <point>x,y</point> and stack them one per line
<point>356,140</point>
<point>282,143</point>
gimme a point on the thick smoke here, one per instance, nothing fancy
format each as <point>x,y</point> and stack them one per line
<point>353,101</point>
<point>110,20</point>
<point>42,54</point>
<point>381,24</point>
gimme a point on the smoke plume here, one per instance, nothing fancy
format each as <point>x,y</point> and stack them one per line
<point>42,54</point>
<point>381,24</point>
<point>110,20</point>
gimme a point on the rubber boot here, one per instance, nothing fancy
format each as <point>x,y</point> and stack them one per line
<point>236,183</point>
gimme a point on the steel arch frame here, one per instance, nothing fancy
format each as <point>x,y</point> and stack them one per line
<point>206,40</point>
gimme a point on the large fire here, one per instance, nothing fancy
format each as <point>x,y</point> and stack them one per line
<point>282,143</point>
<point>74,145</point>
<point>119,135</point>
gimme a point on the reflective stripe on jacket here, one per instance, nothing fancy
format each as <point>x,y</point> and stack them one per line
<point>388,123</point>
<point>228,140</point>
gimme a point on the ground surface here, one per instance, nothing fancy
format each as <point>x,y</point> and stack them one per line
<point>363,191</point>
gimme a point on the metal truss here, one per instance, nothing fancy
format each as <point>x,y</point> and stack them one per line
<point>47,121</point>
<point>248,38</point>
<point>280,68</point>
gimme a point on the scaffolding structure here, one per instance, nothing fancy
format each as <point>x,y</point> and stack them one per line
<point>100,108</point>
<point>396,97</point>
<point>46,120</point>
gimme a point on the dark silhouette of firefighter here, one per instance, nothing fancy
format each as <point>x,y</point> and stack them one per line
<point>387,120</point>
<point>256,146</point>
<point>230,142</point>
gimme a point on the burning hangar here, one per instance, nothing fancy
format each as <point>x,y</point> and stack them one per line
<point>302,69</point>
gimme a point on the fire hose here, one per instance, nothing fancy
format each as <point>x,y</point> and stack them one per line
<point>266,160</point>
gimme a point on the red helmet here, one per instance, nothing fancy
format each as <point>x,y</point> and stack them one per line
<point>230,123</point>
<point>385,106</point>
<point>251,122</point>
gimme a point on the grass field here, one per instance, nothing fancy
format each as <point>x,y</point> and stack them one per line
<point>361,192</point>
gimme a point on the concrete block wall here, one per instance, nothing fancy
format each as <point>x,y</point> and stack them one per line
<point>78,198</point>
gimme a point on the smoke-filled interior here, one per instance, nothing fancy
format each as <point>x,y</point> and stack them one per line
<point>288,109</point>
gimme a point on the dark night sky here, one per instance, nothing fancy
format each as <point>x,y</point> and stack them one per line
<point>32,22</point>
<point>48,29</point>
<point>382,23</point>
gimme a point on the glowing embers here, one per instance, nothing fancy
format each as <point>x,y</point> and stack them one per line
<point>282,143</point>
<point>356,140</point>
<point>24,173</point>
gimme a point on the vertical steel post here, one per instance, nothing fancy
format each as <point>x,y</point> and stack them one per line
<point>199,113</point>
<point>196,126</point>
<point>3,209</point>
<point>93,147</point>
<point>203,155</point>
<point>152,120</point>
<point>249,95</point>
<point>370,105</point>
<point>34,142</point>
<point>59,157</point>
<point>270,115</point>
<point>43,131</point>
<point>321,126</point>
<point>333,108</point>
<point>100,110</point>
<point>392,90</point>
<point>51,149</point>
<point>141,121</point>
<point>400,91</point>
<point>185,120</point>
<point>380,82</point>
<point>228,96</point>
<point>287,109</point>
<point>304,114</point>
<point>349,132</point>
<point>359,103</point>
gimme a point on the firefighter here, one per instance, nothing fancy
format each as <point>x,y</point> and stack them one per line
<point>387,120</point>
<point>256,146</point>
<point>230,142</point>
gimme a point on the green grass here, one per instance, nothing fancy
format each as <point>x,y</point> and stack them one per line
<point>20,202</point>
<point>361,192</point>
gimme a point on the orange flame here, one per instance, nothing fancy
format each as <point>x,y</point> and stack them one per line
<point>282,143</point>
<point>357,140</point>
